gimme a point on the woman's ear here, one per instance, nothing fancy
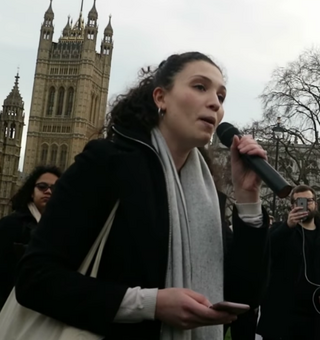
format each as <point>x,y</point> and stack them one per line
<point>159,95</point>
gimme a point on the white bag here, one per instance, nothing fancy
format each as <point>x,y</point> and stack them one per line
<point>20,323</point>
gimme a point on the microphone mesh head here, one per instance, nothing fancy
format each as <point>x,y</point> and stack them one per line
<point>225,132</point>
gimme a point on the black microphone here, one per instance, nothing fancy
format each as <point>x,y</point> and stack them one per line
<point>264,170</point>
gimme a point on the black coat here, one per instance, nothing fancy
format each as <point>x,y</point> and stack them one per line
<point>287,267</point>
<point>15,232</point>
<point>125,168</point>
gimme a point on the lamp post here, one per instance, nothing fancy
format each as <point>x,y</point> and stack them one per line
<point>255,127</point>
<point>278,132</point>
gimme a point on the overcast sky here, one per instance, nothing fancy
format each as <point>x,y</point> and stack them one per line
<point>248,38</point>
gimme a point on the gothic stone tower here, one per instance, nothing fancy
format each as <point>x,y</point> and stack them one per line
<point>11,122</point>
<point>70,90</point>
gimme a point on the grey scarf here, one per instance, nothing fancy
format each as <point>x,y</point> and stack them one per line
<point>195,251</point>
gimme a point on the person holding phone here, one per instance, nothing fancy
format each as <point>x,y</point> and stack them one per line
<point>291,307</point>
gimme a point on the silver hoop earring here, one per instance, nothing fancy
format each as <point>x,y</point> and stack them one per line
<point>160,112</point>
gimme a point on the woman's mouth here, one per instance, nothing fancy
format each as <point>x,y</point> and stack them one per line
<point>209,121</point>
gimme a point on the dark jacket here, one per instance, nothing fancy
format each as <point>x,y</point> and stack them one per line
<point>125,168</point>
<point>287,268</point>
<point>15,232</point>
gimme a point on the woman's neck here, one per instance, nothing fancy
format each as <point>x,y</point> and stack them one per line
<point>179,159</point>
<point>40,209</point>
<point>178,154</point>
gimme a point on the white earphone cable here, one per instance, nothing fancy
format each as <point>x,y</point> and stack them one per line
<point>305,271</point>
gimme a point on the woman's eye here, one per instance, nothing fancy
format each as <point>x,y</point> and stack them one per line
<point>221,98</point>
<point>200,87</point>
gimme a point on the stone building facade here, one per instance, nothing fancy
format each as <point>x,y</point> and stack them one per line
<point>70,90</point>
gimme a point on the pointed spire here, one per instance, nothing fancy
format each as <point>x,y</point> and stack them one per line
<point>80,17</point>
<point>66,30</point>
<point>16,83</point>
<point>77,30</point>
<point>93,14</point>
<point>14,98</point>
<point>81,9</point>
<point>109,29</point>
<point>49,13</point>
<point>80,22</point>
<point>107,42</point>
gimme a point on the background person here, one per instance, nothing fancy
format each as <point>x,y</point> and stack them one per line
<point>289,308</point>
<point>16,229</point>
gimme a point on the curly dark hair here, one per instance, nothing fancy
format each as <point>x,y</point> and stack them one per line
<point>137,106</point>
<point>23,197</point>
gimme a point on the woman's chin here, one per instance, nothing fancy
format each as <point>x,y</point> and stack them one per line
<point>204,140</point>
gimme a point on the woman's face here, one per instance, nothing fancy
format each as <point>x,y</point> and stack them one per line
<point>193,107</point>
<point>43,190</point>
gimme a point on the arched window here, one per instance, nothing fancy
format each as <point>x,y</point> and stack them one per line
<point>96,110</point>
<point>44,154</point>
<point>70,101</point>
<point>52,93</point>
<point>91,36</point>
<point>53,156</point>
<point>91,108</point>
<point>12,130</point>
<point>63,157</point>
<point>5,129</point>
<point>60,101</point>
<point>46,35</point>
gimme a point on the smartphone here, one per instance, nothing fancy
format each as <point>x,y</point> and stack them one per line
<point>302,202</point>
<point>231,307</point>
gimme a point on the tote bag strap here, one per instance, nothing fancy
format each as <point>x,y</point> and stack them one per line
<point>99,242</point>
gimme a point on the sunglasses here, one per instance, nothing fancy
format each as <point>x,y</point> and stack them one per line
<point>42,186</point>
